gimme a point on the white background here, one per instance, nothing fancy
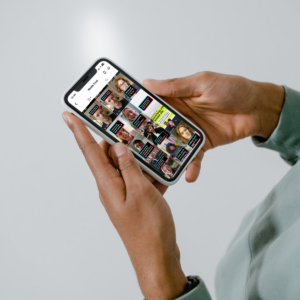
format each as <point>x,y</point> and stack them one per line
<point>56,241</point>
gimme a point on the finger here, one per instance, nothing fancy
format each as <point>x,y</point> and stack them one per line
<point>127,164</point>
<point>162,188</point>
<point>105,146</point>
<point>94,155</point>
<point>193,170</point>
<point>178,87</point>
<point>149,177</point>
<point>177,251</point>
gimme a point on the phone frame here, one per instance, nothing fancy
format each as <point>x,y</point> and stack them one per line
<point>108,138</point>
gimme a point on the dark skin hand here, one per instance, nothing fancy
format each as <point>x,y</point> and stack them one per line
<point>152,244</point>
<point>227,108</point>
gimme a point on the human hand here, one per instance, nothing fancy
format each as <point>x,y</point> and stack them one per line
<point>139,212</point>
<point>226,107</point>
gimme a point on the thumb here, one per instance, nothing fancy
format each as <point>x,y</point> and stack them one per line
<point>127,164</point>
<point>177,87</point>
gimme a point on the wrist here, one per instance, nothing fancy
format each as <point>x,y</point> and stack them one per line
<point>162,281</point>
<point>270,99</point>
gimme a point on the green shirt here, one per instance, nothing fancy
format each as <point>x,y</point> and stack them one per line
<point>263,260</point>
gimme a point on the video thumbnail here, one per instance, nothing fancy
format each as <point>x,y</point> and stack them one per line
<point>160,162</point>
<point>124,86</point>
<point>146,150</point>
<point>122,131</point>
<point>138,143</point>
<point>175,149</point>
<point>112,100</point>
<point>182,154</point>
<point>130,113</point>
<point>194,140</point>
<point>166,165</point>
<point>171,123</point>
<point>149,152</point>
<point>154,133</point>
<point>184,133</point>
<point>100,114</point>
<point>170,168</point>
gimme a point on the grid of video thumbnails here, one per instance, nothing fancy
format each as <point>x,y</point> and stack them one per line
<point>149,129</point>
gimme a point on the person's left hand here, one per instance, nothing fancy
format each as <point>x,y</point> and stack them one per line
<point>139,212</point>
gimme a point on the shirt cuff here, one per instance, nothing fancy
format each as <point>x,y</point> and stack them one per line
<point>200,292</point>
<point>285,139</point>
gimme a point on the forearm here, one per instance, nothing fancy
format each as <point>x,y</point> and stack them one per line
<point>285,138</point>
<point>160,275</point>
<point>270,100</point>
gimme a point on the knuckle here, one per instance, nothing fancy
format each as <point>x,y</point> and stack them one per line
<point>205,74</point>
<point>126,163</point>
<point>173,87</point>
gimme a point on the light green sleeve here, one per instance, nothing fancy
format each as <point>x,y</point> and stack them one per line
<point>286,137</point>
<point>200,292</point>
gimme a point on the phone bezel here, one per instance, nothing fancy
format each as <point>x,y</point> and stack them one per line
<point>110,137</point>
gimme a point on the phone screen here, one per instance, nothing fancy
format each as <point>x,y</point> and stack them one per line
<point>123,110</point>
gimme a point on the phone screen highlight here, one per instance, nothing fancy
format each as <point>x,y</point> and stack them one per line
<point>125,111</point>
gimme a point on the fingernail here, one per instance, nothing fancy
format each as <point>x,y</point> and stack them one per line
<point>119,149</point>
<point>65,118</point>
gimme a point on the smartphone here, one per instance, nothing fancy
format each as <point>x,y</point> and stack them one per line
<point>119,109</point>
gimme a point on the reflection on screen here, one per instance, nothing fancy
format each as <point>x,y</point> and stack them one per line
<point>121,108</point>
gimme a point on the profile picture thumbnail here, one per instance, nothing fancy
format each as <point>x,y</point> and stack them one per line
<point>165,164</point>
<point>122,131</point>
<point>138,143</point>
<point>153,131</point>
<point>183,132</point>
<point>124,86</point>
<point>156,152</point>
<point>170,169</point>
<point>100,114</point>
<point>130,113</point>
<point>112,100</point>
<point>171,123</point>
<point>175,149</point>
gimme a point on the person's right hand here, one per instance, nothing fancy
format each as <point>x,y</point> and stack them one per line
<point>135,204</point>
<point>227,108</point>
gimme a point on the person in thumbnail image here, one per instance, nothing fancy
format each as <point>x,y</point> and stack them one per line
<point>157,157</point>
<point>125,136</point>
<point>116,103</point>
<point>102,115</point>
<point>121,85</point>
<point>172,149</point>
<point>153,157</point>
<point>184,132</point>
<point>129,114</point>
<point>138,144</point>
<point>168,170</point>
<point>172,123</point>
<point>151,132</point>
